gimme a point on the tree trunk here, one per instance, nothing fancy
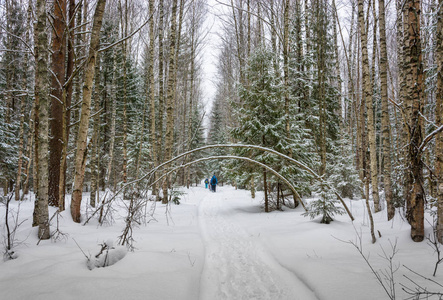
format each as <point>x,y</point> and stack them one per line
<point>371,219</point>
<point>248,10</point>
<point>57,99</point>
<point>252,187</point>
<point>239,43</point>
<point>171,94</point>
<point>369,107</point>
<point>414,80</point>
<point>124,21</point>
<point>386,132</point>
<point>161,98</point>
<point>265,187</point>
<point>191,94</point>
<point>29,151</point>
<point>273,34</point>
<point>81,153</point>
<point>286,70</point>
<point>366,86</point>
<point>22,139</point>
<point>67,96</point>
<point>113,120</point>
<point>153,133</point>
<point>22,116</point>
<point>402,19</point>
<point>9,71</point>
<point>321,62</point>
<point>41,95</point>
<point>95,161</point>
<point>337,64</point>
<point>439,122</point>
<point>35,168</point>
<point>183,102</point>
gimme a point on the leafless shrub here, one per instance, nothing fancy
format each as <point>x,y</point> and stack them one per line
<point>417,291</point>
<point>12,223</point>
<point>435,244</point>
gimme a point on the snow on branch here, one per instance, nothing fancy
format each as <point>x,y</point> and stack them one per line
<point>429,137</point>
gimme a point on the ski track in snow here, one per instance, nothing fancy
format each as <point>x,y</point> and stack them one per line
<point>236,265</point>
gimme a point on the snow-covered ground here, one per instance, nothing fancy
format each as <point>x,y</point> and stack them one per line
<point>217,246</point>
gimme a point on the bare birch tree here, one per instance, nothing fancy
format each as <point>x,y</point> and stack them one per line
<point>370,111</point>
<point>368,99</point>
<point>81,152</point>
<point>413,72</point>
<point>170,94</point>
<point>386,132</point>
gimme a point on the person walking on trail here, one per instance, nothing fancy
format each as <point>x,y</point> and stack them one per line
<point>206,183</point>
<point>213,183</point>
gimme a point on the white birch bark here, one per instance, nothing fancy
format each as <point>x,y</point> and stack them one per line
<point>81,153</point>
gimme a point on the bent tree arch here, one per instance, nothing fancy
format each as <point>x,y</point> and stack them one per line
<point>294,191</point>
<point>290,159</point>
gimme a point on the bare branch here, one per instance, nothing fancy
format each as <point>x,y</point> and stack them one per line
<point>127,37</point>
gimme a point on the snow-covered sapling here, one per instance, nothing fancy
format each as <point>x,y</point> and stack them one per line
<point>325,205</point>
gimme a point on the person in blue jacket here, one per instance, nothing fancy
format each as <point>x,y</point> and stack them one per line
<point>206,183</point>
<point>214,183</point>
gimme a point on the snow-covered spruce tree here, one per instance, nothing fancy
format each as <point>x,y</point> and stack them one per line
<point>326,205</point>
<point>340,169</point>
<point>217,135</point>
<point>110,71</point>
<point>315,105</point>
<point>197,172</point>
<point>259,114</point>
<point>8,148</point>
<point>135,111</point>
<point>117,85</point>
<point>11,90</point>
<point>314,80</point>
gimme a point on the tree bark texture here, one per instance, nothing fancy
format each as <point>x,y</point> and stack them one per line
<point>386,131</point>
<point>41,94</point>
<point>67,97</point>
<point>439,122</point>
<point>370,111</point>
<point>29,151</point>
<point>161,96</point>
<point>321,62</point>
<point>171,93</point>
<point>81,153</point>
<point>152,139</point>
<point>95,161</point>
<point>402,20</point>
<point>239,44</point>
<point>265,187</point>
<point>414,79</point>
<point>18,181</point>
<point>57,99</point>
<point>35,168</point>
<point>191,95</point>
<point>124,25</point>
<point>286,70</point>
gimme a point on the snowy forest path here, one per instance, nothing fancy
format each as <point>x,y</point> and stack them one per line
<point>237,265</point>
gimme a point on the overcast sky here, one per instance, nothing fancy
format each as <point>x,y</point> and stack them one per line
<point>210,55</point>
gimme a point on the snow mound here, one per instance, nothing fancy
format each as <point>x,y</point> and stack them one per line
<point>107,256</point>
